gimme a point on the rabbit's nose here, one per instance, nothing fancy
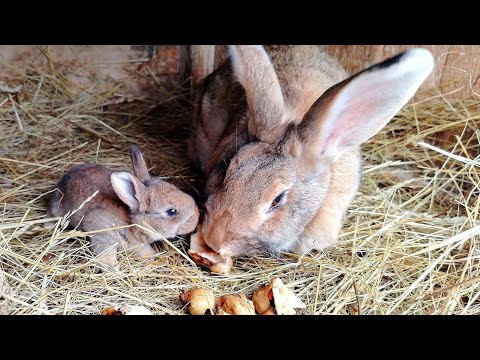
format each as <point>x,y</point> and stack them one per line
<point>211,240</point>
<point>219,231</point>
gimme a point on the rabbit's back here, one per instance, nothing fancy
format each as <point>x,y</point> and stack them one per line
<point>76,186</point>
<point>305,72</point>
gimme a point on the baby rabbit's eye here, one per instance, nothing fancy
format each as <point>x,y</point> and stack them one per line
<point>172,212</point>
<point>279,200</point>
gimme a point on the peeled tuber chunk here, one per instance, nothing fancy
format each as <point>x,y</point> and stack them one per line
<point>276,298</point>
<point>263,300</point>
<point>221,312</point>
<point>205,256</point>
<point>125,309</point>
<point>285,300</point>
<point>236,304</point>
<point>200,301</point>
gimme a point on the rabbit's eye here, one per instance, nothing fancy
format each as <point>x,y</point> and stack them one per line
<point>172,212</point>
<point>279,200</point>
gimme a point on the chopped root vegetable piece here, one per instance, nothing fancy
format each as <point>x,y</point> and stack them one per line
<point>236,304</point>
<point>285,300</point>
<point>201,300</point>
<point>276,298</point>
<point>221,312</point>
<point>125,309</point>
<point>204,256</point>
<point>263,300</point>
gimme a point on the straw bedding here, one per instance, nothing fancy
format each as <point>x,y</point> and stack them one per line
<point>410,242</point>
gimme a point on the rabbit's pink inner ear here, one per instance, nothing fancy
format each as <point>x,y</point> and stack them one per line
<point>128,189</point>
<point>354,110</point>
<point>255,72</point>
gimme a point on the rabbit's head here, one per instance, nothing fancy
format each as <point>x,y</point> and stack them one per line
<point>154,203</point>
<point>264,198</point>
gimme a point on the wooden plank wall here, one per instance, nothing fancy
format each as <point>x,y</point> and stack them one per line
<point>456,72</point>
<point>144,71</point>
<point>131,71</point>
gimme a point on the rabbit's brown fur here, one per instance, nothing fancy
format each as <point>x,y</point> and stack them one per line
<point>110,208</point>
<point>287,119</point>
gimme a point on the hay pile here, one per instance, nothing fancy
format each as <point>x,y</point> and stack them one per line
<point>410,243</point>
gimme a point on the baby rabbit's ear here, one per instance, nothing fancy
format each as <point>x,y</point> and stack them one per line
<point>128,189</point>
<point>139,166</point>
<point>254,71</point>
<point>354,110</point>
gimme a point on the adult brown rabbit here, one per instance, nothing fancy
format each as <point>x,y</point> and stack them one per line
<point>123,199</point>
<point>278,130</point>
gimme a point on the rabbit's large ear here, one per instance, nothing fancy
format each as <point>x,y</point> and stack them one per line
<point>254,71</point>
<point>128,189</point>
<point>354,110</point>
<point>139,166</point>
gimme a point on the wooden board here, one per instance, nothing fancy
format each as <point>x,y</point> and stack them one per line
<point>132,71</point>
<point>145,71</point>
<point>456,72</point>
<point>457,66</point>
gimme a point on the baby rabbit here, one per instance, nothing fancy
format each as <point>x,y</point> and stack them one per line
<point>123,199</point>
<point>278,130</point>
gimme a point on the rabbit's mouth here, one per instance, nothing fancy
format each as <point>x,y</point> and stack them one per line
<point>160,235</point>
<point>169,234</point>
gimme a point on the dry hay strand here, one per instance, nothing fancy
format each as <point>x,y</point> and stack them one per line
<point>410,243</point>
<point>6,294</point>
